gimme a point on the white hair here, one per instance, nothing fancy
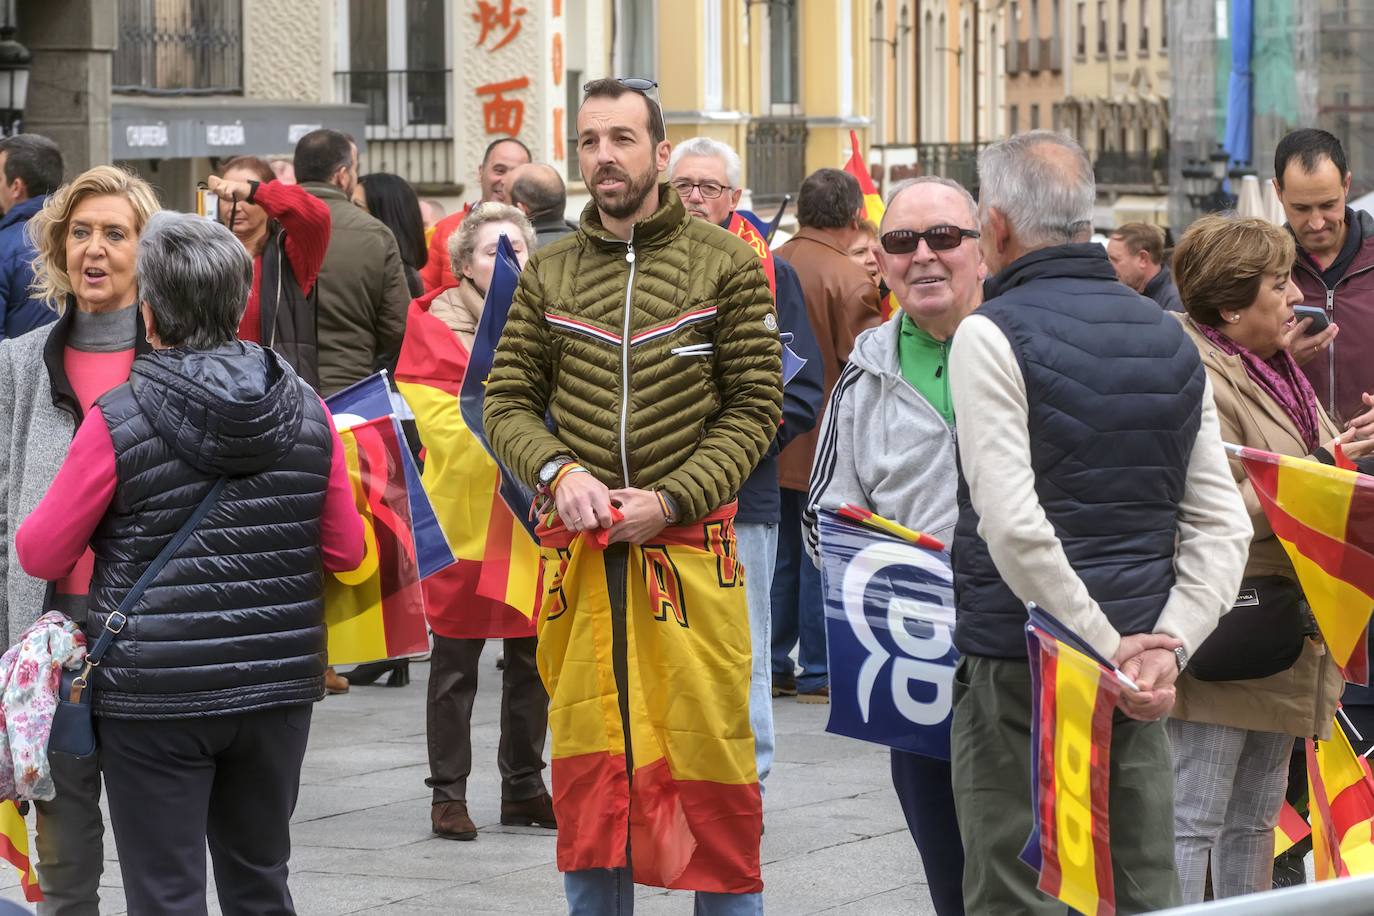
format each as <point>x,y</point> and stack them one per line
<point>705,146</point>
<point>1045,202</point>
<point>907,183</point>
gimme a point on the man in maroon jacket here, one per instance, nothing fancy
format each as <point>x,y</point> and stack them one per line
<point>1334,270</point>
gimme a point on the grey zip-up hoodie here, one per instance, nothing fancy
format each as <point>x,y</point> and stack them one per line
<point>882,446</point>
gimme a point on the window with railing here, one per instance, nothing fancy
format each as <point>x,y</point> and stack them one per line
<point>179,47</point>
<point>1081,46</point>
<point>392,58</point>
<point>1121,42</point>
<point>1163,25</point>
<point>1145,25</point>
<point>1101,28</point>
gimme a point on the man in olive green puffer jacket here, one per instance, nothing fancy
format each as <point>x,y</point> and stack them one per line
<point>650,340</point>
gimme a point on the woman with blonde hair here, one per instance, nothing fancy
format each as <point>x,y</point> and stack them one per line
<point>434,359</point>
<point>1264,676</point>
<point>86,236</point>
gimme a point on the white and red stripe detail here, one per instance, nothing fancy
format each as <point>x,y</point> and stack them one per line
<point>589,330</point>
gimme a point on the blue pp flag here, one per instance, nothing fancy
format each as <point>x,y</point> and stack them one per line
<point>889,622</point>
<point>504,278</point>
<point>369,399</point>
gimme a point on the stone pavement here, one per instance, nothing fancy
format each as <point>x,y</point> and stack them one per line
<point>835,840</point>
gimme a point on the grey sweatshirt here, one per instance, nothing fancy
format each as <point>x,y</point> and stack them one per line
<point>882,446</point>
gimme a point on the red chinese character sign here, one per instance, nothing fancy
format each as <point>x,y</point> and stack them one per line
<point>511,79</point>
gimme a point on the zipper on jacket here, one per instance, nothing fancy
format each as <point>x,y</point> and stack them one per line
<point>625,361</point>
<point>1331,355</point>
<point>281,257</point>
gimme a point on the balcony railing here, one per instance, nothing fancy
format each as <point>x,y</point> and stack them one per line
<point>409,130</point>
<point>179,47</point>
<point>1141,168</point>
<point>1051,54</point>
<point>777,157</point>
<point>958,161</point>
<point>1018,57</point>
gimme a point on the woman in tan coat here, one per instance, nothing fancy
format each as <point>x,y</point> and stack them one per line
<point>1264,677</point>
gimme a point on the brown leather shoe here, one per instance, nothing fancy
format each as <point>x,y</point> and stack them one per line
<point>334,683</point>
<point>814,697</point>
<point>531,812</point>
<point>450,820</point>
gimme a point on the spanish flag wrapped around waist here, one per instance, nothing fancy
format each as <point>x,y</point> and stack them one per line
<point>493,589</point>
<point>692,811</point>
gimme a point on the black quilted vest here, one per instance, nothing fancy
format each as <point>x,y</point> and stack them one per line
<point>235,622</point>
<point>287,317</point>
<point>1114,389</point>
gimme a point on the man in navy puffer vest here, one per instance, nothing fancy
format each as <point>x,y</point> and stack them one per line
<point>1093,483</point>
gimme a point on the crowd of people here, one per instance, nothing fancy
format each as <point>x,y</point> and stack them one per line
<point>1053,408</point>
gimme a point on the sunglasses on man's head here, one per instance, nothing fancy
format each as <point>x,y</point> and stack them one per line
<point>938,238</point>
<point>645,87</point>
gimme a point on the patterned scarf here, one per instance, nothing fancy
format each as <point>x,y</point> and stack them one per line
<point>1281,378</point>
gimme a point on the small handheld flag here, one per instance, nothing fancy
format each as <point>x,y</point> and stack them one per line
<point>14,848</point>
<point>1073,695</point>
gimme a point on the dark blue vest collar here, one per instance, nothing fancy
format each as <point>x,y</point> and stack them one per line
<point>1087,260</point>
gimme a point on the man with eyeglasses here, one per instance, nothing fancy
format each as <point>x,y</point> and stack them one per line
<point>841,301</point>
<point>887,444</point>
<point>706,175</point>
<point>1093,483</point>
<point>649,342</point>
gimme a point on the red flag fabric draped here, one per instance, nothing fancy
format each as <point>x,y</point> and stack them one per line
<point>873,202</point>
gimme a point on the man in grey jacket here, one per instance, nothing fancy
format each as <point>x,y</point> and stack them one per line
<point>887,444</point>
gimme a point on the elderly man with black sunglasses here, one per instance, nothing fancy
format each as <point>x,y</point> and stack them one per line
<point>887,444</point>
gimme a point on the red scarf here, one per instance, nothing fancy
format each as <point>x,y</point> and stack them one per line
<point>745,230</point>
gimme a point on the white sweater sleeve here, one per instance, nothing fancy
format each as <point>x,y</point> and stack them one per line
<point>994,450</point>
<point>1214,533</point>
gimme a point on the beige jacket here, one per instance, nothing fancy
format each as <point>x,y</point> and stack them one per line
<point>1302,700</point>
<point>460,308</point>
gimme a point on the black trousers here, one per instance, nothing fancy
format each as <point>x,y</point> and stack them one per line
<point>448,719</point>
<point>926,792</point>
<point>173,784</point>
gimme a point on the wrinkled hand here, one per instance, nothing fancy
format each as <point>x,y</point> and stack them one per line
<point>1351,443</point>
<point>227,189</point>
<point>1303,348</point>
<point>1363,425</point>
<point>1148,659</point>
<point>643,516</point>
<point>583,502</point>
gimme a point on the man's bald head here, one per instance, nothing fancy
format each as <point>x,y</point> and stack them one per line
<point>538,189</point>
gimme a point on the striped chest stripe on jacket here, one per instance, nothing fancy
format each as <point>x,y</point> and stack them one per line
<point>610,337</point>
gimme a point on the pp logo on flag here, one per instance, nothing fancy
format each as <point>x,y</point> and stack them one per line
<point>889,622</point>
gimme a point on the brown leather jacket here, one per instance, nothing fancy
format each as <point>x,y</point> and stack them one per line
<point>841,302</point>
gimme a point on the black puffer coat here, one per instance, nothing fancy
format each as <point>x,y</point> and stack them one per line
<point>235,622</point>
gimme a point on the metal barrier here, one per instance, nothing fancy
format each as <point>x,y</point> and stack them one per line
<point>179,47</point>
<point>1342,897</point>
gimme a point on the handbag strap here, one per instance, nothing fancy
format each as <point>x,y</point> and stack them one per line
<point>116,621</point>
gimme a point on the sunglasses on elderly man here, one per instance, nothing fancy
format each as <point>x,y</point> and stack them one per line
<point>938,238</point>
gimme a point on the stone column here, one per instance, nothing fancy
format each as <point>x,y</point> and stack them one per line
<point>69,90</point>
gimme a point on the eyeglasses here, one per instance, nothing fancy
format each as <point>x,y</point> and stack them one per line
<point>939,238</point>
<point>645,87</point>
<point>708,189</point>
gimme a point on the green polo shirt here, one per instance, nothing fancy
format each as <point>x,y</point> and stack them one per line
<point>924,363</point>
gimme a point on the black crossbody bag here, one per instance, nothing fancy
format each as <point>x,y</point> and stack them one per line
<point>73,732</point>
<point>1261,635</point>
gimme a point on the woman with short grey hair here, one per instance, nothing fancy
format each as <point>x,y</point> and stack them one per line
<point>216,474</point>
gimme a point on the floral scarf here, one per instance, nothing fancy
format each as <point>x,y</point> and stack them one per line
<point>1280,377</point>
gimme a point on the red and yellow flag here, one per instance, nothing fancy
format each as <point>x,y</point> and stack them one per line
<point>745,230</point>
<point>1072,697</point>
<point>691,811</point>
<point>873,202</point>
<point>1324,517</point>
<point>493,590</point>
<point>14,848</point>
<point>1291,830</point>
<point>1341,795</point>
<point>377,611</point>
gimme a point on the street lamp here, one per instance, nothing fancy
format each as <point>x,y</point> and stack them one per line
<point>15,62</point>
<point>1204,183</point>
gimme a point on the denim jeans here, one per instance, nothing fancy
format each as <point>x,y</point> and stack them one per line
<point>756,545</point>
<point>610,892</point>
<point>798,604</point>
